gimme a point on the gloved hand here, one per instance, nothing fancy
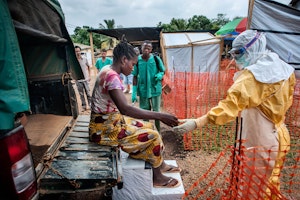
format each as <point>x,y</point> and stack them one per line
<point>187,126</point>
<point>159,76</point>
<point>190,124</point>
<point>133,95</point>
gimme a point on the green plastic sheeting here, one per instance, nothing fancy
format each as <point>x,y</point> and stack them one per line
<point>34,46</point>
<point>14,95</point>
<point>230,27</point>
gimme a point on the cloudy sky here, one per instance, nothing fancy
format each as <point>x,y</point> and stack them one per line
<point>146,13</point>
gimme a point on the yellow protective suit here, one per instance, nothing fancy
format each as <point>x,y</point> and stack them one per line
<point>259,102</point>
<point>263,92</point>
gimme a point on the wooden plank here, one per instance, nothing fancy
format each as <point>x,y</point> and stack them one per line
<point>86,124</point>
<point>79,147</point>
<point>43,129</point>
<point>81,128</point>
<point>79,134</point>
<point>72,140</point>
<point>83,118</point>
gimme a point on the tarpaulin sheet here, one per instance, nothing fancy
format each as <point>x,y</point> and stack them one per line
<point>281,23</point>
<point>35,45</point>
<point>131,34</point>
<point>45,44</point>
<point>14,95</point>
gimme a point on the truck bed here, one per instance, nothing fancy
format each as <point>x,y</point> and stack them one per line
<point>43,130</point>
<point>72,162</point>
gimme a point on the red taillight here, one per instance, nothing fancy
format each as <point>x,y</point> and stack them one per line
<point>17,145</point>
<point>17,174</point>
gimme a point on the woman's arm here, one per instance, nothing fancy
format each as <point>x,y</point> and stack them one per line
<point>126,109</point>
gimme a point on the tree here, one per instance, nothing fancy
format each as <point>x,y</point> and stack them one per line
<point>175,25</point>
<point>220,21</point>
<point>108,42</point>
<point>178,24</point>
<point>195,23</point>
<point>199,22</point>
<point>110,24</point>
<point>237,17</point>
<point>81,35</point>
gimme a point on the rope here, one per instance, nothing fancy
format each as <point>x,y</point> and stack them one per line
<point>46,162</point>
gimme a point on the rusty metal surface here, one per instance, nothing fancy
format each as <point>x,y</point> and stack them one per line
<point>81,162</point>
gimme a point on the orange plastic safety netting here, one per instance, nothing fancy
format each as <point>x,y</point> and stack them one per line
<point>240,173</point>
<point>192,95</point>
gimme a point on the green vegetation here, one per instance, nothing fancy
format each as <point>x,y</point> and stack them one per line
<point>197,22</point>
<point>81,35</point>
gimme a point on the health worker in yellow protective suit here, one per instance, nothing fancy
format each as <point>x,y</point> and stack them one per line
<point>262,93</point>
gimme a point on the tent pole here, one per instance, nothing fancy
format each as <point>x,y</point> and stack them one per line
<point>192,56</point>
<point>163,51</point>
<point>250,10</point>
<point>221,51</point>
<point>92,50</point>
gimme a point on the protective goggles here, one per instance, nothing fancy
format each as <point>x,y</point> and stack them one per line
<point>238,53</point>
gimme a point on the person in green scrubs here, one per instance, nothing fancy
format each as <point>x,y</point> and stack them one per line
<point>103,60</point>
<point>147,78</point>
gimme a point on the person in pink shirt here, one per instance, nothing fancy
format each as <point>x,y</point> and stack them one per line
<point>114,122</point>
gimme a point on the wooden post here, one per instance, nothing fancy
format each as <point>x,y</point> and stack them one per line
<point>221,51</point>
<point>92,53</point>
<point>163,51</point>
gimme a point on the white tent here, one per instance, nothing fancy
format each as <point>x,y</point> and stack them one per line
<point>191,51</point>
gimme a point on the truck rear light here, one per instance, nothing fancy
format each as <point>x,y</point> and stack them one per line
<point>17,175</point>
<point>23,173</point>
<point>17,144</point>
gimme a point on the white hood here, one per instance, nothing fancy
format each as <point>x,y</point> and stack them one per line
<point>265,65</point>
<point>270,69</point>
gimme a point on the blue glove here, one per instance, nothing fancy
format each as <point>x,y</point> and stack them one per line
<point>133,95</point>
<point>159,76</point>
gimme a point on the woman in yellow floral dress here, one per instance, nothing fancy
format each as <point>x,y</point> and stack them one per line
<point>115,123</point>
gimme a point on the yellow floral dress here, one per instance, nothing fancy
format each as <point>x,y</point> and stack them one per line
<point>109,127</point>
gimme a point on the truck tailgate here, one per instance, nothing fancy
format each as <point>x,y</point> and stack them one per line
<point>79,164</point>
<point>44,131</point>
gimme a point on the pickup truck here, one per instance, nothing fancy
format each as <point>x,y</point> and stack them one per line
<point>51,154</point>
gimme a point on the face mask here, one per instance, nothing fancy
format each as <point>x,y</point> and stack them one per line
<point>242,62</point>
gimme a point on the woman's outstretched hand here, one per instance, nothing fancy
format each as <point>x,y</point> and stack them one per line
<point>169,119</point>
